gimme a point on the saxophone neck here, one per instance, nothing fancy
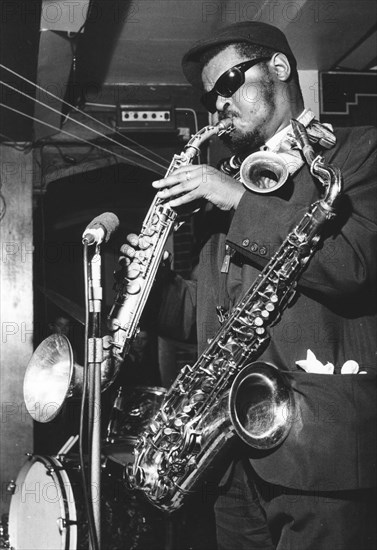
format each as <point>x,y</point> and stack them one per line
<point>192,147</point>
<point>329,176</point>
<point>302,138</point>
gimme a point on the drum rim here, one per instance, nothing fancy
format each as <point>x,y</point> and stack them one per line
<point>66,502</point>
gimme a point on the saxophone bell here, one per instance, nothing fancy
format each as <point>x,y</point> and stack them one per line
<point>263,172</point>
<point>261,405</point>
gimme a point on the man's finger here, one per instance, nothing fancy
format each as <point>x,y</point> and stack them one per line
<point>184,173</point>
<point>133,239</point>
<point>128,250</point>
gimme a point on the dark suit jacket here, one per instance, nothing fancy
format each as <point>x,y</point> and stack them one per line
<point>332,442</point>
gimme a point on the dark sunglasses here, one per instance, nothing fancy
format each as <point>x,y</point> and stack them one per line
<point>228,83</point>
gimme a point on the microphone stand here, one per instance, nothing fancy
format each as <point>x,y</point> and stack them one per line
<point>95,358</point>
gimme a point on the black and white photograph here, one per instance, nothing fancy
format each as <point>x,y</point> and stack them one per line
<point>188,231</point>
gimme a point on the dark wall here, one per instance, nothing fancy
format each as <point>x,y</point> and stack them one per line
<point>349,98</point>
<point>19,38</point>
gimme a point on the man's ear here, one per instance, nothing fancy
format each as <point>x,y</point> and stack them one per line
<point>281,66</point>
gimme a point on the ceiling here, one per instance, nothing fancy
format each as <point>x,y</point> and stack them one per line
<point>116,43</point>
<point>324,35</point>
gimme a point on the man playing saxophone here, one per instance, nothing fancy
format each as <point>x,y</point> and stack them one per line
<point>315,490</point>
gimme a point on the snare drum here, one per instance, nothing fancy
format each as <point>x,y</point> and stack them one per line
<point>43,514</point>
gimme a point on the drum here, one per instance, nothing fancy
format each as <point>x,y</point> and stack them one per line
<point>132,410</point>
<point>47,509</point>
<point>43,513</point>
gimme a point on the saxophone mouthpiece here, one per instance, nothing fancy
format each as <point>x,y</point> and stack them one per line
<point>225,125</point>
<point>302,138</point>
<point>300,132</point>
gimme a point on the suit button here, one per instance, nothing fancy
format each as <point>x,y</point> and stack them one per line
<point>263,251</point>
<point>254,247</point>
<point>245,242</point>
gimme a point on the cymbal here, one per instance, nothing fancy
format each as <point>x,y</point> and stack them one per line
<point>74,310</point>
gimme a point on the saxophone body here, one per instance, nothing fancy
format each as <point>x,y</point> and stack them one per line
<point>224,394</point>
<point>133,288</point>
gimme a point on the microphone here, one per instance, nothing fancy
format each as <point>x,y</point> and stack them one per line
<point>100,229</point>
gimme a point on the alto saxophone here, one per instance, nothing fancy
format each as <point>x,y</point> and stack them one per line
<point>133,288</point>
<point>222,394</point>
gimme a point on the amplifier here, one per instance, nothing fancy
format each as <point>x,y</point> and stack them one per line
<point>149,117</point>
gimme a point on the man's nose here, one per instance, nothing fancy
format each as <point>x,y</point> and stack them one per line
<point>221,102</point>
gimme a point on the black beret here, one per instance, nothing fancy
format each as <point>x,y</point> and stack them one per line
<point>253,32</point>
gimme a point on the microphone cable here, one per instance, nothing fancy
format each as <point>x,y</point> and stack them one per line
<point>87,492</point>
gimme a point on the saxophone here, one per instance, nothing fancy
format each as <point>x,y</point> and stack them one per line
<point>222,394</point>
<point>134,284</point>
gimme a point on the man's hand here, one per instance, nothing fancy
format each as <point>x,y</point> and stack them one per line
<point>193,182</point>
<point>134,253</point>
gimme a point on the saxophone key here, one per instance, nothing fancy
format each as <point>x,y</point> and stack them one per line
<point>149,231</point>
<point>177,468</point>
<point>140,256</point>
<point>207,371</point>
<point>154,426</point>
<point>133,270</point>
<point>193,442</point>
<point>263,295</point>
<point>244,332</point>
<point>155,219</point>
<point>166,214</point>
<point>180,389</point>
<point>292,293</point>
<point>258,322</point>
<point>163,414</point>
<point>144,242</point>
<point>221,314</point>
<point>199,395</point>
<point>246,320</point>
<point>187,370</point>
<point>133,287</point>
<point>178,422</point>
<point>173,462</point>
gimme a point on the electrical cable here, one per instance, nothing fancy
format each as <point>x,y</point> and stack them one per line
<point>86,490</point>
<point>92,144</point>
<point>73,107</point>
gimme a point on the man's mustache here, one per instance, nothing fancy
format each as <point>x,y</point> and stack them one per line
<point>226,114</point>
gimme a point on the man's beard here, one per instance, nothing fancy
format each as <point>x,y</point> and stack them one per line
<point>243,144</point>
